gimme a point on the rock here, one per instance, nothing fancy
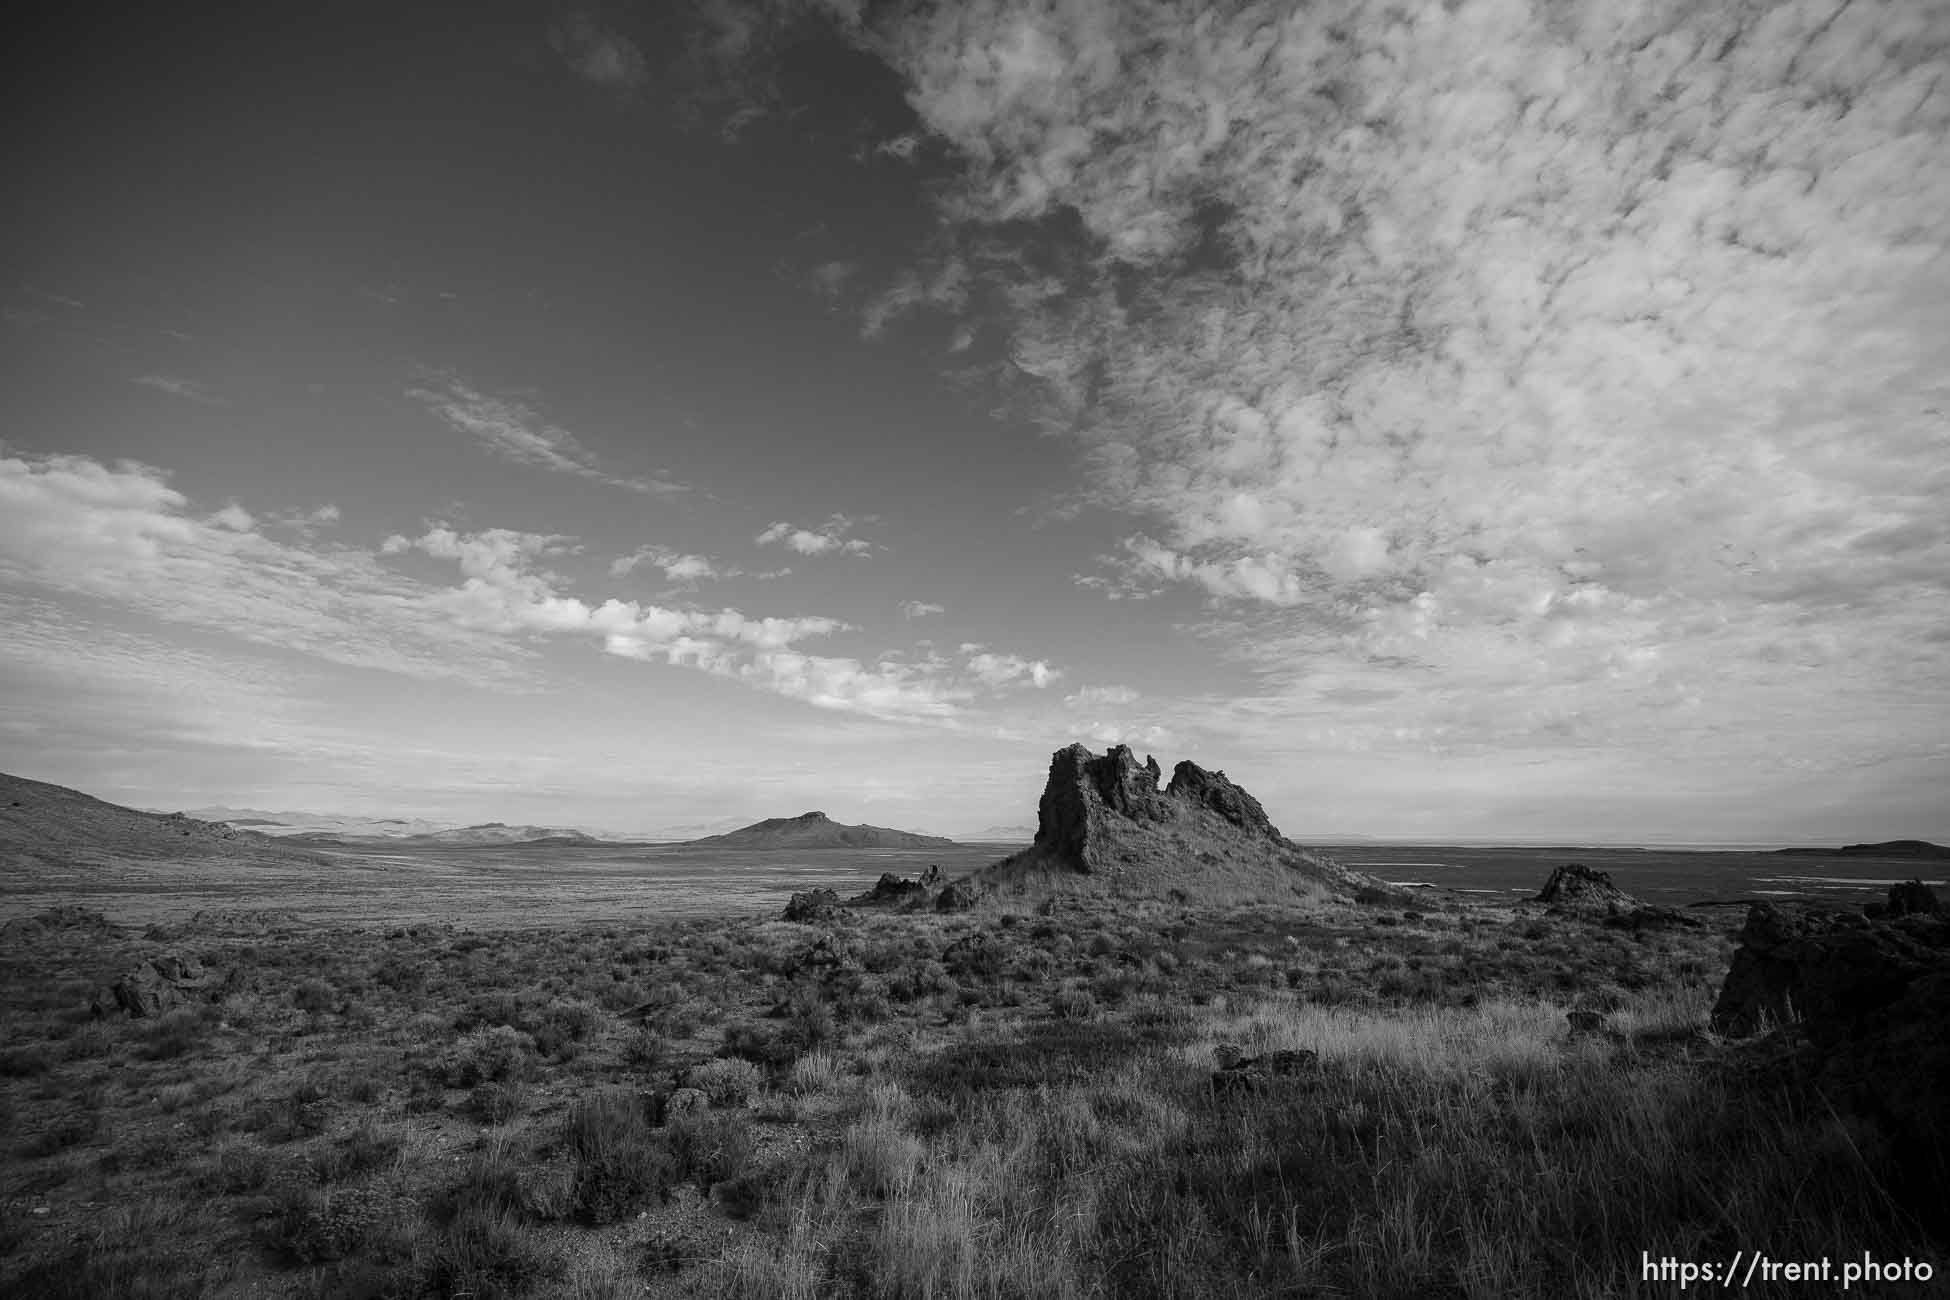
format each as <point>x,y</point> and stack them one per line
<point>1105,819</point>
<point>1911,898</point>
<point>1193,784</point>
<point>1867,1002</point>
<point>813,907</point>
<point>1575,887</point>
<point>932,878</point>
<point>959,896</point>
<point>891,891</point>
<point>157,985</point>
<point>1254,1073</point>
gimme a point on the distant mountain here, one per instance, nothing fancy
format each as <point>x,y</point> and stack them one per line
<point>1003,835</point>
<point>815,830</point>
<point>1921,849</point>
<point>486,835</point>
<point>284,823</point>
<point>501,833</point>
<point>44,824</point>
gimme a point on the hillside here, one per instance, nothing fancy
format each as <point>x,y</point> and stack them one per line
<point>815,830</point>
<point>50,825</point>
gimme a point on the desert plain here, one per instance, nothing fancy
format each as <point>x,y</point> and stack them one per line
<point>1160,1052</point>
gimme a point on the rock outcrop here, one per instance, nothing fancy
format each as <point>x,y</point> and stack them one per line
<point>1104,823</point>
<point>1575,887</point>
<point>1577,890</point>
<point>1867,1001</point>
<point>813,906</point>
<point>156,986</point>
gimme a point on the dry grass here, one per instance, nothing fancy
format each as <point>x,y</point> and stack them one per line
<point>1013,1103</point>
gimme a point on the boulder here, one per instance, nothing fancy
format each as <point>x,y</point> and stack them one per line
<point>1867,1003</point>
<point>959,896</point>
<point>813,907</point>
<point>157,985</point>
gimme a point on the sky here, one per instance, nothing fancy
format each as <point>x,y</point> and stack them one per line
<point>1479,418</point>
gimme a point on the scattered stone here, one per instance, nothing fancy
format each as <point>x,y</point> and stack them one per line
<point>1256,1073</point>
<point>157,985</point>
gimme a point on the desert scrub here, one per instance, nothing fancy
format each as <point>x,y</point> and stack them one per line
<point>882,1158</point>
<point>496,1055</point>
<point>621,1163</point>
<point>727,1081</point>
<point>316,1226</point>
<point>711,1146</point>
<point>497,1103</point>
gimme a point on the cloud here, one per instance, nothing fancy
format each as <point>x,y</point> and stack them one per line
<point>920,609</point>
<point>187,389</point>
<point>520,433</point>
<point>829,279</point>
<point>600,55</point>
<point>829,538</point>
<point>1096,696</point>
<point>1009,669</point>
<point>1500,374</point>
<point>678,567</point>
<point>121,534</point>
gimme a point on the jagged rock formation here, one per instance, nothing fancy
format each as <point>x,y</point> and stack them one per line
<point>1575,887</point>
<point>1577,890</point>
<point>1865,1002</point>
<point>1104,823</point>
<point>815,830</point>
<point>813,907</point>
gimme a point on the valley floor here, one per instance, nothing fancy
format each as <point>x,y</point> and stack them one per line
<point>1030,1101</point>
